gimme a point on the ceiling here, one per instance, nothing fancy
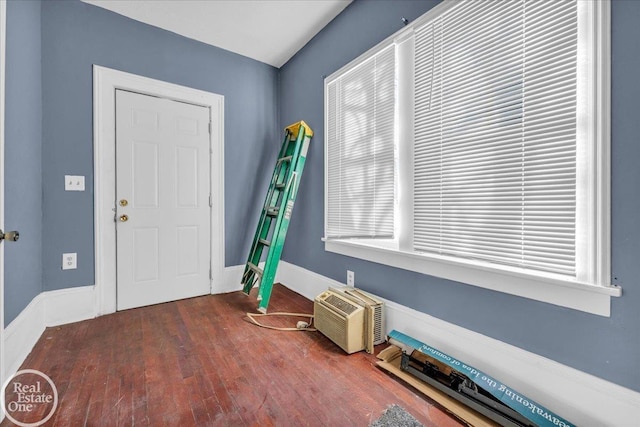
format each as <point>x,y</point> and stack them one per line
<point>270,31</point>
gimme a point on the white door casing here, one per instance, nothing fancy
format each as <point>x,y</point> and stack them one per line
<point>105,83</point>
<point>3,31</point>
<point>162,189</point>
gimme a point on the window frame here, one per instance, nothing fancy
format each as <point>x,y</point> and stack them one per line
<point>591,295</point>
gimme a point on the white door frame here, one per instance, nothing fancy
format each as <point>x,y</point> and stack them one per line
<point>3,33</point>
<point>105,83</point>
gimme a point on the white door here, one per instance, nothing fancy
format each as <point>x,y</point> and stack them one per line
<point>3,20</point>
<point>162,200</point>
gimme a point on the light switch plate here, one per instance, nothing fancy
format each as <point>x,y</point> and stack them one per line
<point>70,261</point>
<point>74,183</point>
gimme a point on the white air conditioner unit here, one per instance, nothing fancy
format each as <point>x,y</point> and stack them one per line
<point>374,315</point>
<point>340,319</point>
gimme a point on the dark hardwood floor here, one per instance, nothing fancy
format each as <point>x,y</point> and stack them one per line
<point>199,362</point>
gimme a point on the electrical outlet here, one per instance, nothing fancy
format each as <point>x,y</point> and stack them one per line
<point>351,278</point>
<point>73,183</point>
<point>70,261</point>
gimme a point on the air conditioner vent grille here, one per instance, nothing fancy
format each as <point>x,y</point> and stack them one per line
<point>378,337</point>
<point>341,304</point>
<point>331,325</point>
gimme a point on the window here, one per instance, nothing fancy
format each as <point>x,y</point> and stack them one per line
<point>473,145</point>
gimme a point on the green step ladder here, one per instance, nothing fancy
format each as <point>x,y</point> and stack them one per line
<point>276,213</point>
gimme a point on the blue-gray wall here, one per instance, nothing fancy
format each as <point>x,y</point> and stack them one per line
<point>65,39</point>
<point>23,146</point>
<point>75,36</point>
<point>606,347</point>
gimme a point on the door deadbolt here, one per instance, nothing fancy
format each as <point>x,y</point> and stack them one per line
<point>124,218</point>
<point>124,202</point>
<point>11,236</point>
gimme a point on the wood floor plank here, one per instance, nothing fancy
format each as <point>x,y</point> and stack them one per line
<point>199,362</point>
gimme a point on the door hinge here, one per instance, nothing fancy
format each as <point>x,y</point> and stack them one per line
<point>210,128</point>
<point>210,201</point>
<point>210,275</point>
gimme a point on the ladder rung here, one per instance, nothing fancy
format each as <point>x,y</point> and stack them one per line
<point>285,159</point>
<point>264,242</point>
<point>255,268</point>
<point>281,185</point>
<point>273,210</point>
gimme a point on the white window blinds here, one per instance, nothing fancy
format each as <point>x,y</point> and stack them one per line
<point>495,134</point>
<point>360,149</point>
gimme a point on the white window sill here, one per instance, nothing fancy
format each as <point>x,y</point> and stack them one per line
<point>558,291</point>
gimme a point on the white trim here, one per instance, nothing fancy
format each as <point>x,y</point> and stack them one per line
<point>231,281</point>
<point>105,82</point>
<point>580,397</point>
<point>3,37</point>
<point>594,128</point>
<point>583,297</point>
<point>23,333</point>
<point>217,185</point>
<point>603,141</point>
<point>69,305</point>
<point>305,282</point>
<point>52,308</point>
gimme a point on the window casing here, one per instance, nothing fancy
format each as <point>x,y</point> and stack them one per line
<point>501,150</point>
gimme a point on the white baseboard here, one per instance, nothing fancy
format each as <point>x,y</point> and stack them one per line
<point>579,397</point>
<point>70,305</point>
<point>22,334</point>
<point>231,280</point>
<point>52,308</point>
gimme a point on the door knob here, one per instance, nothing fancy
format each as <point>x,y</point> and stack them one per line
<point>124,218</point>
<point>124,202</point>
<point>11,236</point>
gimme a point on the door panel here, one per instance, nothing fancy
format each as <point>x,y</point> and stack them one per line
<point>146,258</point>
<point>162,172</point>
<point>188,250</point>
<point>187,171</point>
<point>145,175</point>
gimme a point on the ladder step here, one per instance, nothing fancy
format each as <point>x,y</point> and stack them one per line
<point>264,242</point>
<point>255,268</point>
<point>280,186</point>
<point>273,210</point>
<point>285,159</point>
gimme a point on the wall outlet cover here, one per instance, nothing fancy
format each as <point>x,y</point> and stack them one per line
<point>74,183</point>
<point>351,278</point>
<point>70,261</point>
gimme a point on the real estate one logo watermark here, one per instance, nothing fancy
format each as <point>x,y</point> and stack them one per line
<point>29,398</point>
